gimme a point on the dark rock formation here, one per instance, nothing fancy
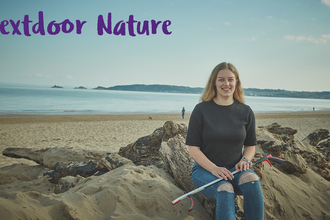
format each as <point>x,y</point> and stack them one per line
<point>85,169</point>
<point>312,152</point>
<point>57,87</point>
<point>145,151</point>
<point>315,137</point>
<point>278,129</point>
<point>80,87</point>
<point>50,156</point>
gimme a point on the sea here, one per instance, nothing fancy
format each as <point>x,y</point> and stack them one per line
<point>44,100</point>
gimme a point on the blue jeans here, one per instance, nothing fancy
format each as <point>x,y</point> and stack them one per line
<point>225,200</point>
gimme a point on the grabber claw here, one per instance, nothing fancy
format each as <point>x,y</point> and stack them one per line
<point>192,203</point>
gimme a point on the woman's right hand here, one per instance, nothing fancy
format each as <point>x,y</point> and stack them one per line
<point>222,172</point>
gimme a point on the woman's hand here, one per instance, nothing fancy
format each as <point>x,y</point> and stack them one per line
<point>243,165</point>
<point>222,172</point>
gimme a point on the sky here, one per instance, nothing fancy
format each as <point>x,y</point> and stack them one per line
<point>274,44</point>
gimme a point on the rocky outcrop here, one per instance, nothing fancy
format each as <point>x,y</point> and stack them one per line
<point>175,155</point>
<point>50,156</point>
<point>312,152</point>
<point>278,129</point>
<point>80,87</point>
<point>315,137</point>
<point>57,87</point>
<point>145,151</point>
<point>86,169</point>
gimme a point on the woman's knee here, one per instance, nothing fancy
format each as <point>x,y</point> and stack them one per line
<point>248,177</point>
<point>226,187</point>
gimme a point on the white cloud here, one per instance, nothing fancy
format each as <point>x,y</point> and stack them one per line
<point>326,2</point>
<point>289,37</point>
<point>68,76</point>
<point>270,17</point>
<point>227,23</point>
<point>39,75</point>
<point>323,39</point>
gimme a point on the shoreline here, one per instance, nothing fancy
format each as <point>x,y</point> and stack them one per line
<point>35,119</point>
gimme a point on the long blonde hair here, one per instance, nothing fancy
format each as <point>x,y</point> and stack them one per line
<point>210,90</point>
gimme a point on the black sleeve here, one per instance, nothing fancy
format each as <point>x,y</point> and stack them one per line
<point>250,139</point>
<point>194,135</point>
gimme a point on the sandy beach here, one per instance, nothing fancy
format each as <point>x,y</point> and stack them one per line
<point>126,193</point>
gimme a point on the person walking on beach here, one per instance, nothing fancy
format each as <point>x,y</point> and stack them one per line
<point>183,111</point>
<point>219,126</point>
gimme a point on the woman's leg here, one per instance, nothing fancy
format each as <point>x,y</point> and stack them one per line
<point>248,183</point>
<point>222,192</point>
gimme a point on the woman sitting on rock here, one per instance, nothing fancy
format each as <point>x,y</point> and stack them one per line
<point>218,129</point>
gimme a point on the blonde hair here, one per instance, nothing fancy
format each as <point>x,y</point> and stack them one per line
<point>210,90</point>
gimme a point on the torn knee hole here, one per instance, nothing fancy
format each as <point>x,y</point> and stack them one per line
<point>226,187</point>
<point>248,177</point>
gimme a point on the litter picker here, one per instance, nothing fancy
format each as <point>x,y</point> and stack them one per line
<point>265,158</point>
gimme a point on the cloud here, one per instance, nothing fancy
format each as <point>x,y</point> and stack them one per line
<point>227,23</point>
<point>289,37</point>
<point>326,2</point>
<point>68,76</point>
<point>323,39</point>
<point>271,17</point>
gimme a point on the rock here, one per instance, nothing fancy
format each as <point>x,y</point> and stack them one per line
<point>258,169</point>
<point>176,156</point>
<point>322,164</point>
<point>278,129</point>
<point>325,145</point>
<point>296,164</point>
<point>315,137</point>
<point>80,87</point>
<point>27,153</point>
<point>325,174</point>
<point>274,147</point>
<point>57,87</point>
<point>50,156</point>
<point>67,183</point>
<point>85,169</point>
<point>63,169</point>
<point>303,146</point>
<point>145,151</point>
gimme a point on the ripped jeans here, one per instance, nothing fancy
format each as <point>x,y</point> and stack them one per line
<point>245,183</point>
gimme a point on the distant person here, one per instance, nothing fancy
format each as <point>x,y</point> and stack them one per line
<point>313,108</point>
<point>220,127</point>
<point>183,111</point>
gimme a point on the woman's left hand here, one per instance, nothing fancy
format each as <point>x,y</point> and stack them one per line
<point>243,165</point>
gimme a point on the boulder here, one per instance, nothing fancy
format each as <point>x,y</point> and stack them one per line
<point>278,129</point>
<point>67,183</point>
<point>315,137</point>
<point>145,151</point>
<point>175,155</point>
<point>50,156</point>
<point>295,164</point>
<point>86,169</point>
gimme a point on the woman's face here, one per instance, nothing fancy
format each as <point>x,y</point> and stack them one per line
<point>225,83</point>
